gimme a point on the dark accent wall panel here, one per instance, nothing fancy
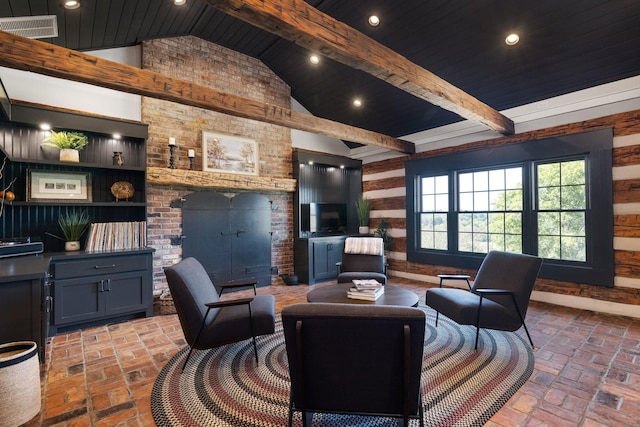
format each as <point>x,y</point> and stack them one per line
<point>324,178</point>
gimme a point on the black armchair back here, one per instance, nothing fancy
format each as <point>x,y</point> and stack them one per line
<point>362,265</point>
<point>208,322</point>
<point>354,359</point>
<point>499,297</point>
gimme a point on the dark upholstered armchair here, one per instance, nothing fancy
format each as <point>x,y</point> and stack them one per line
<point>354,359</point>
<point>499,297</point>
<point>208,322</point>
<point>363,258</point>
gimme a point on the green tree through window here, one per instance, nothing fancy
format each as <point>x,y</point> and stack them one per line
<point>490,210</point>
<point>561,205</point>
<point>433,219</point>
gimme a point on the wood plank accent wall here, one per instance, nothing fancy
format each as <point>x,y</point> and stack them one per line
<point>383,182</point>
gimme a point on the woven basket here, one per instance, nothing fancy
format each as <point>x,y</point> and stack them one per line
<point>166,303</point>
<point>19,382</point>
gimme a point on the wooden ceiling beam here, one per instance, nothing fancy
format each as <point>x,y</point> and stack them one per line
<point>300,23</point>
<point>43,58</point>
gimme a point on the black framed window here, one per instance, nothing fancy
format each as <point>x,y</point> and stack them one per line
<point>541,197</point>
<point>561,209</point>
<point>490,210</point>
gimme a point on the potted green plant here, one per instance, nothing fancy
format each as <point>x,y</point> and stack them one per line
<point>363,209</point>
<point>382,231</point>
<point>73,225</point>
<point>69,144</point>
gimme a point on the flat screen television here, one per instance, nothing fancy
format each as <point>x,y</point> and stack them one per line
<point>323,218</point>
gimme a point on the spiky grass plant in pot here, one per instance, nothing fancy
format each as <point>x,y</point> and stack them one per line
<point>363,209</point>
<point>73,225</point>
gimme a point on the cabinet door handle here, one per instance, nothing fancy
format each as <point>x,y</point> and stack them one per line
<point>48,304</point>
<point>105,285</point>
<point>97,267</point>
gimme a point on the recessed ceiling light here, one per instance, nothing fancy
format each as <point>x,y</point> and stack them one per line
<point>310,162</point>
<point>179,2</point>
<point>357,102</point>
<point>116,136</point>
<point>374,21</point>
<point>45,126</point>
<point>314,59</point>
<point>71,4</point>
<point>512,39</point>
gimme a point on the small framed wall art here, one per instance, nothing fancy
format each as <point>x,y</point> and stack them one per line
<point>57,186</point>
<point>229,154</point>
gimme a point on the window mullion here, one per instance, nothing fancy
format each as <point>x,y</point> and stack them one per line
<point>529,209</point>
<point>452,216</point>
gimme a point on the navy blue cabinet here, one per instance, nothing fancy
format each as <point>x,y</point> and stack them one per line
<point>316,258</point>
<point>92,288</point>
<point>231,237</point>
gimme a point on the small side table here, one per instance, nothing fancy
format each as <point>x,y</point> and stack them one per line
<point>455,277</point>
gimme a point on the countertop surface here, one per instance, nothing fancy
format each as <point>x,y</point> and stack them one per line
<point>25,267</point>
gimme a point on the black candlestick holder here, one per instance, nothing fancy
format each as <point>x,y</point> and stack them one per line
<point>172,151</point>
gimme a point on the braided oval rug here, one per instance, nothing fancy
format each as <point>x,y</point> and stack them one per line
<point>224,387</point>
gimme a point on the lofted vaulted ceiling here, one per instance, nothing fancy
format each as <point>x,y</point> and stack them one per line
<point>564,46</point>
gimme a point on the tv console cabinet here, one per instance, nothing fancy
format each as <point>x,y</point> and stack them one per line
<point>316,258</point>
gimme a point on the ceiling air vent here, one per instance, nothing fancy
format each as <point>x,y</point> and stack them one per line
<point>33,27</point>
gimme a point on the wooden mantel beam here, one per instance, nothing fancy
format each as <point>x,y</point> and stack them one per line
<point>300,23</point>
<point>44,58</point>
<point>188,178</point>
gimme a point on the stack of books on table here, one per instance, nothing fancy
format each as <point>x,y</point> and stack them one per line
<point>369,290</point>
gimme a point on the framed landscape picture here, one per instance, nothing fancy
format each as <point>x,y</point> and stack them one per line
<point>54,186</point>
<point>229,154</point>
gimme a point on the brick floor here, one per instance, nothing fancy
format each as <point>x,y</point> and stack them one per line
<point>587,369</point>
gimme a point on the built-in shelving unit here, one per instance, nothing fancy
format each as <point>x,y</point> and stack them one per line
<point>22,146</point>
<point>61,290</point>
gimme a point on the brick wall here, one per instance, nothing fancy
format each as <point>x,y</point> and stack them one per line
<point>203,63</point>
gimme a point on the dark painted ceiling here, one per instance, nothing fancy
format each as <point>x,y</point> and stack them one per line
<point>566,45</point>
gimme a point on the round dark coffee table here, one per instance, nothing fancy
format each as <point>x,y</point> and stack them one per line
<point>393,295</point>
